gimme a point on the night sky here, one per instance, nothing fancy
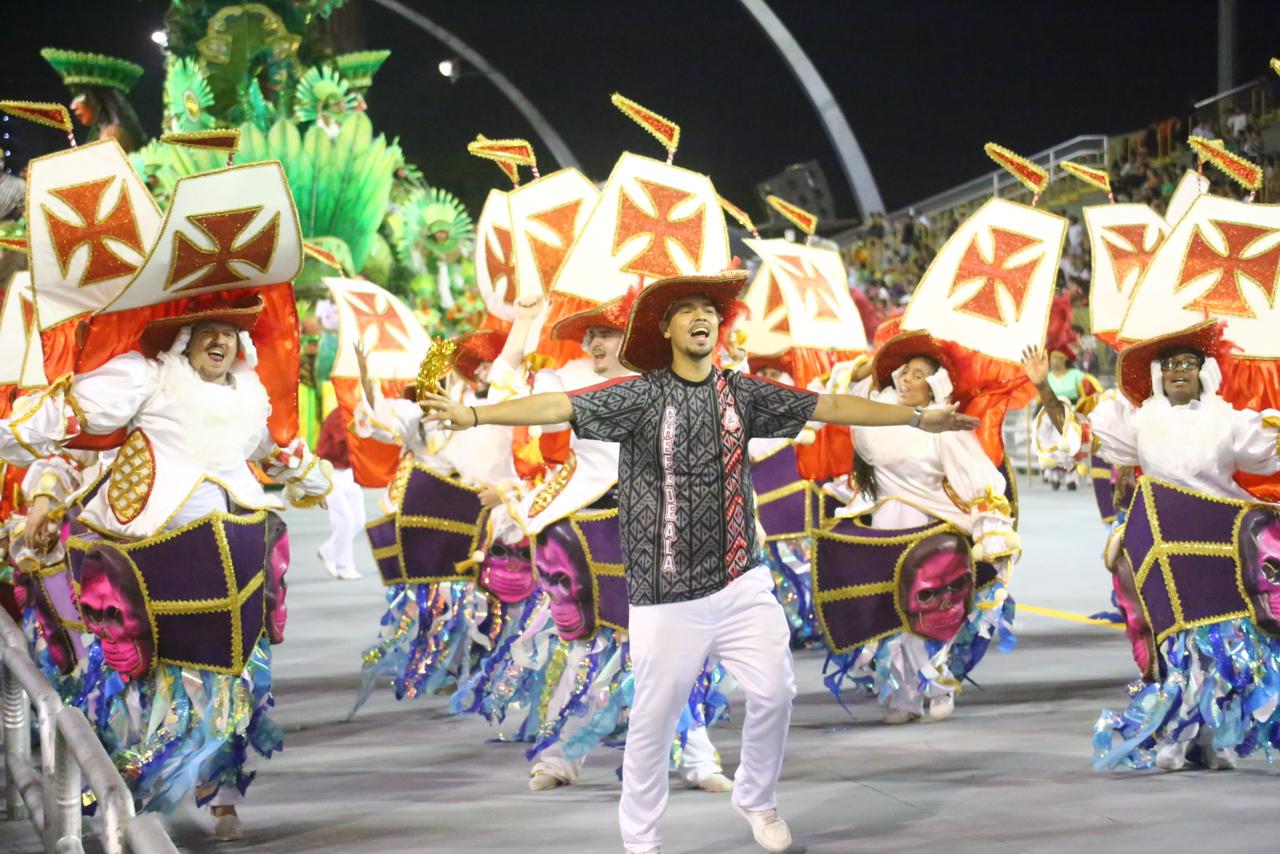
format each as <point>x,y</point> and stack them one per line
<point>922,84</point>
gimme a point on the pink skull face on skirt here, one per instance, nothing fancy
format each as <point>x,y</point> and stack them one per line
<point>112,607</point>
<point>1136,627</point>
<point>564,575</point>
<point>1259,546</point>
<point>276,586</point>
<point>508,573</point>
<point>935,587</point>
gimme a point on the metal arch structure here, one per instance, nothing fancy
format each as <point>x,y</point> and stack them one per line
<point>856,170</point>
<point>555,143</point>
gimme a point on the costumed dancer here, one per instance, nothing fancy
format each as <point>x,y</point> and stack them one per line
<point>908,482</point>
<point>688,538</point>
<point>153,352</point>
<point>1210,692</point>
<point>588,683</point>
<point>437,621</point>
<point>196,413</point>
<point>1075,388</point>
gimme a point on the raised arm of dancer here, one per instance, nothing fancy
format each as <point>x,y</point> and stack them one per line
<point>527,311</point>
<point>1035,361</point>
<point>549,408</point>
<point>857,411</point>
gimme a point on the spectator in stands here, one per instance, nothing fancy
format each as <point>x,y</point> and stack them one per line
<point>1075,234</point>
<point>1237,123</point>
<point>1203,128</point>
<point>1251,147</point>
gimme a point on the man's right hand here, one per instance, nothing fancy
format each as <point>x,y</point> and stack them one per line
<point>1035,362</point>
<point>450,414</point>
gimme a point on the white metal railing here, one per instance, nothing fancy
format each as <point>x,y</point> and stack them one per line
<point>1090,150</point>
<point>70,754</point>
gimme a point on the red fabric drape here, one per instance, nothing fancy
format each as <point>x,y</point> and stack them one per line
<point>372,463</point>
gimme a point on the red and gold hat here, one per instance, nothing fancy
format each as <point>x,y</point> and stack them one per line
<point>607,315</point>
<point>904,347</point>
<point>1133,367</point>
<point>159,334</point>
<point>643,347</point>
<point>476,348</point>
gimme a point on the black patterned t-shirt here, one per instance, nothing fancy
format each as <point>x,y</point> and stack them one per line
<point>686,506</point>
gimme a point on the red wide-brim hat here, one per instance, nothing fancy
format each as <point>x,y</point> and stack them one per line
<point>476,348</point>
<point>1133,366</point>
<point>643,346</point>
<point>158,335</point>
<point>904,347</point>
<point>607,315</point>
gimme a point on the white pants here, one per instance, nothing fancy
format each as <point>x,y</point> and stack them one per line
<point>745,627</point>
<point>346,520</point>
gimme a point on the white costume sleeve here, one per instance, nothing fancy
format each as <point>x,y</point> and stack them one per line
<point>1058,449</point>
<point>980,486</point>
<point>58,476</point>
<point>99,402</point>
<point>377,419</point>
<point>1255,438</point>
<point>306,477</point>
<point>505,382</point>
<point>1114,426</point>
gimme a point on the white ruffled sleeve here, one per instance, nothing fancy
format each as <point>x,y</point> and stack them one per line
<point>98,402</point>
<point>1057,449</point>
<point>979,486</point>
<point>1114,428</point>
<point>58,476</point>
<point>1255,439</point>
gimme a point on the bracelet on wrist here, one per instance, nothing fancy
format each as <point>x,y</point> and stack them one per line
<point>476,416</point>
<point>916,416</point>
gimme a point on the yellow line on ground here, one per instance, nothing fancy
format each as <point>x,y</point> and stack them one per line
<point>1067,615</point>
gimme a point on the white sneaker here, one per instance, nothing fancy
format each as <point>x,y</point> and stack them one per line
<point>347,573</point>
<point>329,566</point>
<point>655,850</point>
<point>940,708</point>
<point>543,782</point>
<point>717,782</point>
<point>897,716</point>
<point>770,831</point>
<point>1172,757</point>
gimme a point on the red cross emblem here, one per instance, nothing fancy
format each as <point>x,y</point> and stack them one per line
<point>659,229</point>
<point>815,292</point>
<point>549,257</point>
<point>499,264</point>
<point>1126,246</point>
<point>378,325</point>
<point>1015,281</point>
<point>1227,294</point>
<point>118,224</point>
<point>224,229</point>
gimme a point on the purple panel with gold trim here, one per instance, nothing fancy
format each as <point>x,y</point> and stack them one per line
<point>602,537</point>
<point>207,613</point>
<point>869,583</point>
<point>439,527</point>
<point>382,540</point>
<point>1104,490</point>
<point>1183,545</point>
<point>787,515</point>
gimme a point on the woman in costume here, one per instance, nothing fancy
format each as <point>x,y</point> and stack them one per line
<point>429,630</point>
<point>1210,687</point>
<point>906,479</point>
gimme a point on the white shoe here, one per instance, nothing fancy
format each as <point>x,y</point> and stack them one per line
<point>543,782</point>
<point>940,708</point>
<point>347,573</point>
<point>1172,757</point>
<point>227,828</point>
<point>329,566</point>
<point>717,782</point>
<point>898,716</point>
<point>770,831</point>
<point>655,850</point>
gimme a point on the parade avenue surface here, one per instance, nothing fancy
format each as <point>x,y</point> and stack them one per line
<point>1009,772</point>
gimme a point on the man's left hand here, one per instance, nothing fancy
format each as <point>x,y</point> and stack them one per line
<point>946,419</point>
